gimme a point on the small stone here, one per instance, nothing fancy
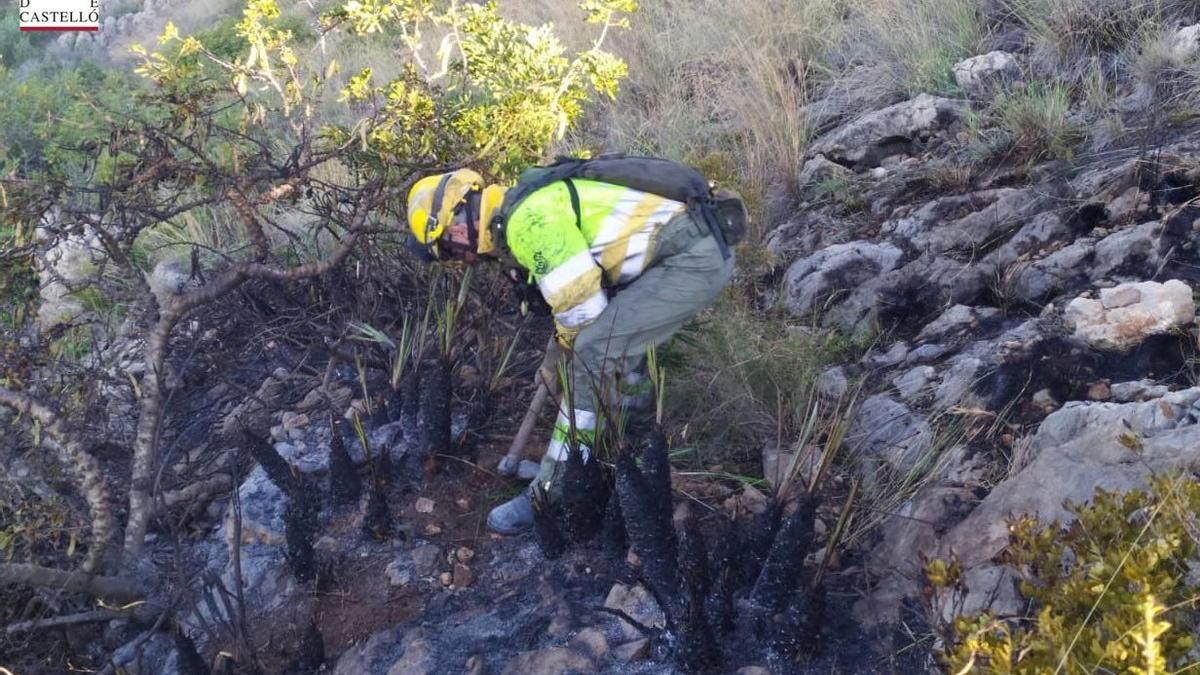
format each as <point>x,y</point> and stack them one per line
<point>463,576</point>
<point>475,665</point>
<point>292,421</point>
<point>1045,400</point>
<point>553,661</point>
<point>463,504</point>
<point>983,74</point>
<point>637,602</point>
<point>424,505</point>
<point>1099,391</point>
<point>398,574</point>
<point>753,670</point>
<point>561,624</point>
<point>425,558</point>
<point>819,527</point>
<point>591,641</point>
<point>633,651</point>
<point>631,557</point>
<point>833,383</point>
<point>464,554</point>
<point>446,578</point>
<point>433,530</point>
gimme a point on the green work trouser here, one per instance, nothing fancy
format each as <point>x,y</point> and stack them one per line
<point>686,276</point>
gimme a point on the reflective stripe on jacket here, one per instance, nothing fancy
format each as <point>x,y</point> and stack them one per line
<point>572,265</point>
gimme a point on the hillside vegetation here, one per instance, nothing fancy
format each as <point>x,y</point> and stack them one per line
<point>943,420</point>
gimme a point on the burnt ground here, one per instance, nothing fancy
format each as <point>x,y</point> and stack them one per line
<point>516,602</point>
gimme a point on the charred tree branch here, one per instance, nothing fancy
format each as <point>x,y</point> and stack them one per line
<point>87,469</point>
<point>115,588</point>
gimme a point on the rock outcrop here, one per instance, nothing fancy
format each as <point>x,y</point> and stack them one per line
<point>1031,323</point>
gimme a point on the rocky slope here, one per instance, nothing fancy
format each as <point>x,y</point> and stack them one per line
<point>1024,317</point>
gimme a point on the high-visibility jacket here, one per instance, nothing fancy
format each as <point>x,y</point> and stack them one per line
<point>573,263</point>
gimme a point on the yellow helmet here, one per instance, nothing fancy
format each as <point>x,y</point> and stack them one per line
<point>432,201</point>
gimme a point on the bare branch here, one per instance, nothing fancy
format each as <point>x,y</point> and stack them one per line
<point>142,613</point>
<point>115,588</point>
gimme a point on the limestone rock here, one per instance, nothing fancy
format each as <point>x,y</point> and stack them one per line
<point>630,652</point>
<point>888,430</point>
<point>956,383</point>
<point>1075,451</point>
<point>869,139</point>
<point>1185,44</point>
<point>552,661</point>
<point>820,170</point>
<point>1139,390</point>
<point>811,281</point>
<point>637,602</point>
<point>806,232</point>
<point>957,321</point>
<point>419,655</point>
<point>980,75</point>
<point>895,355</point>
<point>915,382</point>
<point>425,559</point>
<point>833,383</point>
<point>986,589</point>
<point>398,573</point>
<point>375,655</point>
<point>591,641</point>
<point>70,259</point>
<point>1129,313</point>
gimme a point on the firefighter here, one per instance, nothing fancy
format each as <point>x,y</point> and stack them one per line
<point>621,270</point>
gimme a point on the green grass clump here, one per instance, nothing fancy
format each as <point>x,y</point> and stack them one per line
<point>742,377</point>
<point>923,39</point>
<point>1112,593</point>
<point>1037,118</point>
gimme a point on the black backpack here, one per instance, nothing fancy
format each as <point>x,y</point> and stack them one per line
<point>721,210</point>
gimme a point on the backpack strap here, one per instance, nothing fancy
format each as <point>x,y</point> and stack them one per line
<point>575,203</point>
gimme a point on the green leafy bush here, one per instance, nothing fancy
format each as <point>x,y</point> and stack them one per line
<point>1113,592</point>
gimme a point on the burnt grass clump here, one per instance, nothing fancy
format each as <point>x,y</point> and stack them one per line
<point>344,483</point>
<point>435,390</point>
<point>748,585</point>
<point>303,508</point>
<point>377,521</point>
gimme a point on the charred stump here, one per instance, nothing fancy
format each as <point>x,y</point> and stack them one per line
<point>584,496</point>
<point>547,524</point>
<point>311,658</point>
<point>782,571</point>
<point>303,509</point>
<point>435,406</point>
<point>409,411</point>
<point>344,483</point>
<point>613,535</point>
<point>757,572</point>
<point>377,523</point>
<point>188,661</point>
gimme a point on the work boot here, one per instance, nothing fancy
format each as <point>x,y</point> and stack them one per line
<point>516,515</point>
<point>513,516</point>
